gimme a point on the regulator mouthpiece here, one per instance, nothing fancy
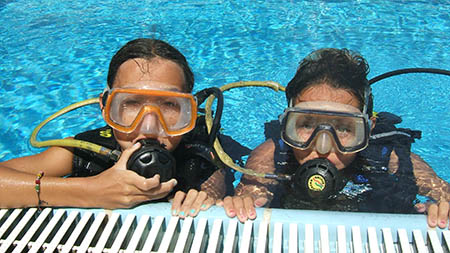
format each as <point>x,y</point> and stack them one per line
<point>151,159</point>
<point>317,179</point>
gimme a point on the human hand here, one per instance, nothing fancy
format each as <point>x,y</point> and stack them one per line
<point>243,206</point>
<point>437,213</point>
<point>190,204</point>
<point>118,187</point>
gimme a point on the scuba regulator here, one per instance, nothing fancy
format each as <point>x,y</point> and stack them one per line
<point>317,180</point>
<point>151,159</point>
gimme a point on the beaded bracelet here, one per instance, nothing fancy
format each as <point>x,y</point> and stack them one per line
<point>37,187</point>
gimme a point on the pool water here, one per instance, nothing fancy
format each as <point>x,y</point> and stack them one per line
<point>55,53</point>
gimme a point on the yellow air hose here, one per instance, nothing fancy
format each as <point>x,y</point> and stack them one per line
<point>71,142</point>
<point>224,157</point>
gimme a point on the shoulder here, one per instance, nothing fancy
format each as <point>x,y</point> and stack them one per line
<point>262,154</point>
<point>264,148</point>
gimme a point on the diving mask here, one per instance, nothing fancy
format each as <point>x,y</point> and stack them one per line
<point>151,111</point>
<point>322,123</point>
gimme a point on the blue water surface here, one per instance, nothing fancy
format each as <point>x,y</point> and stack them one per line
<point>54,53</point>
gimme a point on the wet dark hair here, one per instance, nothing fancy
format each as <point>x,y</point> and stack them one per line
<point>340,68</point>
<point>149,49</point>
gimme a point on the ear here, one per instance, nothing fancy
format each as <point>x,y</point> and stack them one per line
<point>100,101</point>
<point>373,121</point>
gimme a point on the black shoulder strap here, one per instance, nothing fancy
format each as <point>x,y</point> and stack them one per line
<point>197,161</point>
<point>385,138</point>
<point>391,192</point>
<point>272,130</point>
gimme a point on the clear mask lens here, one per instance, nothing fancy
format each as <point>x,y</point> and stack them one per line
<point>303,127</point>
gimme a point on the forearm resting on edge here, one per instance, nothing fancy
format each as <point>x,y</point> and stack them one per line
<point>17,190</point>
<point>429,183</point>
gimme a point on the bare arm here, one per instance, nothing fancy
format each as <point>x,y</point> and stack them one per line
<point>113,188</point>
<point>429,183</point>
<point>261,160</point>
<point>215,186</point>
<point>253,191</point>
<point>17,177</point>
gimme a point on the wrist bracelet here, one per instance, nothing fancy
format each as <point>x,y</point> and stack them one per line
<point>37,187</point>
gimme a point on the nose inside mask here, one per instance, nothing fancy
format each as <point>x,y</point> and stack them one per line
<point>324,143</point>
<point>150,125</point>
